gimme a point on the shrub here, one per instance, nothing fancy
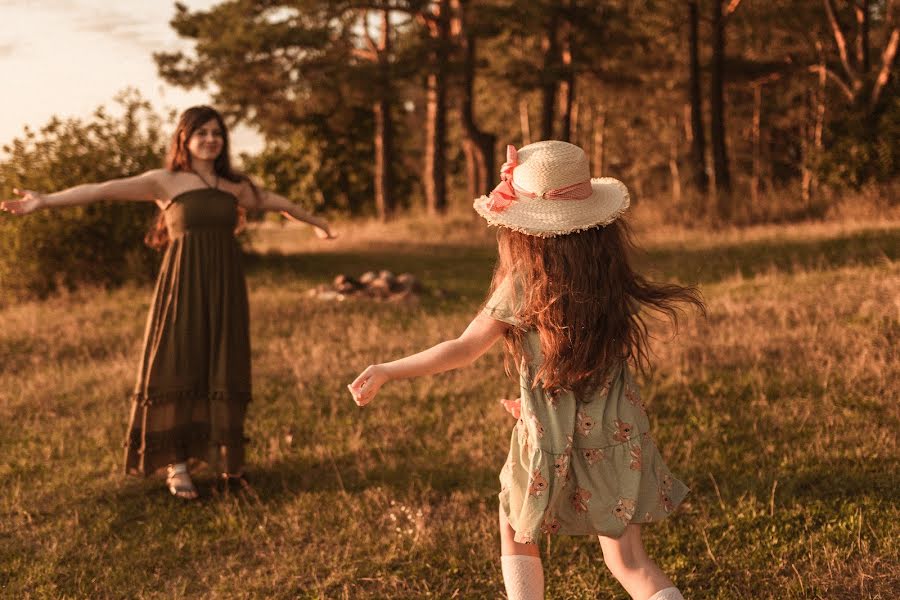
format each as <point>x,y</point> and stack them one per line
<point>100,243</point>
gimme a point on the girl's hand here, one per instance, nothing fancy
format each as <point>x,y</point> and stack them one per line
<point>29,202</point>
<point>367,384</point>
<point>513,407</point>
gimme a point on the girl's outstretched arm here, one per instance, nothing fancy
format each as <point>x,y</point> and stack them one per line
<point>276,202</point>
<point>145,187</point>
<point>480,335</point>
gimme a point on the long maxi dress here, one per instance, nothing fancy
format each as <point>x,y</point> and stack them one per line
<point>193,382</point>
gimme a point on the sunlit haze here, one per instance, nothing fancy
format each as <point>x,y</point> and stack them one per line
<point>66,57</point>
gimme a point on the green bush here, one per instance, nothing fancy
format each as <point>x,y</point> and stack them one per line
<point>100,243</point>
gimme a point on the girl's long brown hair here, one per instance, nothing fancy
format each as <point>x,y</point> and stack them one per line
<point>582,296</point>
<point>179,159</point>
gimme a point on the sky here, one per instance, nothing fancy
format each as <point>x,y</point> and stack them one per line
<point>67,57</point>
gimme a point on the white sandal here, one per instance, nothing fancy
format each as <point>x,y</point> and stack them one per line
<point>179,482</point>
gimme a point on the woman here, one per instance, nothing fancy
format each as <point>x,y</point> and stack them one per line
<point>193,382</point>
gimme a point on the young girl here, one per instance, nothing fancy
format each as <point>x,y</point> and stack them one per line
<point>193,382</point>
<point>564,297</point>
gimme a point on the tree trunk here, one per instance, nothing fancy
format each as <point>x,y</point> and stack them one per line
<point>862,35</point>
<point>550,51</point>
<point>567,85</point>
<point>805,160</point>
<point>597,144</point>
<point>574,133</point>
<point>436,111</point>
<point>524,122</point>
<point>478,145</point>
<point>717,112</point>
<point>384,128</point>
<point>818,130</point>
<point>757,143</point>
<point>673,163</point>
<point>699,177</point>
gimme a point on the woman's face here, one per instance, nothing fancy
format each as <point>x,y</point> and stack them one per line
<point>207,141</point>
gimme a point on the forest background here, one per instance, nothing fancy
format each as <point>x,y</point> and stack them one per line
<point>715,112</point>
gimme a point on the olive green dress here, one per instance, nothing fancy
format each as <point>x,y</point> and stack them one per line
<point>193,382</point>
<point>579,466</point>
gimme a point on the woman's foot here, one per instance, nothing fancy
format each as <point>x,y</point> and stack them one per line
<point>179,482</point>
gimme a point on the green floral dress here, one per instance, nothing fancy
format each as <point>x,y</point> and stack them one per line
<point>579,466</point>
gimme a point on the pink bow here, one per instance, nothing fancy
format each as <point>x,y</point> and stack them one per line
<point>504,194</point>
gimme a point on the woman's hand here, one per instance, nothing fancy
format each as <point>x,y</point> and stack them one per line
<point>513,407</point>
<point>29,202</point>
<point>368,383</point>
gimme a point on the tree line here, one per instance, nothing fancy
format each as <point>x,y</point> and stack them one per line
<point>368,105</point>
<point>723,111</point>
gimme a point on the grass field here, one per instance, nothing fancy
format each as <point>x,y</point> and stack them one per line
<point>780,411</point>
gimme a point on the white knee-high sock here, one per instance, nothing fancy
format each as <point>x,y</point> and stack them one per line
<point>523,577</point>
<point>670,593</point>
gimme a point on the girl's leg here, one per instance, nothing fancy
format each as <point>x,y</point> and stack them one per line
<point>628,562</point>
<point>523,574</point>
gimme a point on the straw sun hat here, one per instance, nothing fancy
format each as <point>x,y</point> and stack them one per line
<point>547,190</point>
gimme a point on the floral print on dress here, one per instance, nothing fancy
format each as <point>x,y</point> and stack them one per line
<point>624,510</point>
<point>584,423</point>
<point>536,427</point>
<point>552,396</point>
<point>522,430</point>
<point>665,500</point>
<point>550,526</point>
<point>623,431</point>
<point>636,458</point>
<point>603,390</point>
<point>561,466</point>
<point>523,537</point>
<point>538,484</point>
<point>633,395</point>
<point>592,455</point>
<point>580,500</point>
<point>666,483</point>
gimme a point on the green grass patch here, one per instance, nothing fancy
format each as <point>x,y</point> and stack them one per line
<point>779,411</point>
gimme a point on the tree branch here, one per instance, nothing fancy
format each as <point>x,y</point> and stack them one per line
<point>365,54</point>
<point>887,63</point>
<point>370,42</point>
<point>836,78</point>
<point>732,6</point>
<point>766,79</point>
<point>839,39</point>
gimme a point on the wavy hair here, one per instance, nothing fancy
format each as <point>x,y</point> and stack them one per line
<point>584,299</point>
<point>179,159</point>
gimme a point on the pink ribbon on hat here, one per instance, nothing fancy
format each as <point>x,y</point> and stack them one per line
<point>503,196</point>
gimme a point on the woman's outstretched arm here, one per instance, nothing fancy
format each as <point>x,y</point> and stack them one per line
<point>140,188</point>
<point>275,202</point>
<point>480,335</point>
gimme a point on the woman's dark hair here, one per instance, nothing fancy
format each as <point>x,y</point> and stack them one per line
<point>179,159</point>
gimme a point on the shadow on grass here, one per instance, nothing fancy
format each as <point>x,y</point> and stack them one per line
<point>467,269</point>
<point>708,265</point>
<point>283,480</point>
<point>277,483</point>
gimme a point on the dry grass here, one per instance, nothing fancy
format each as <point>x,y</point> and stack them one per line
<point>780,411</point>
